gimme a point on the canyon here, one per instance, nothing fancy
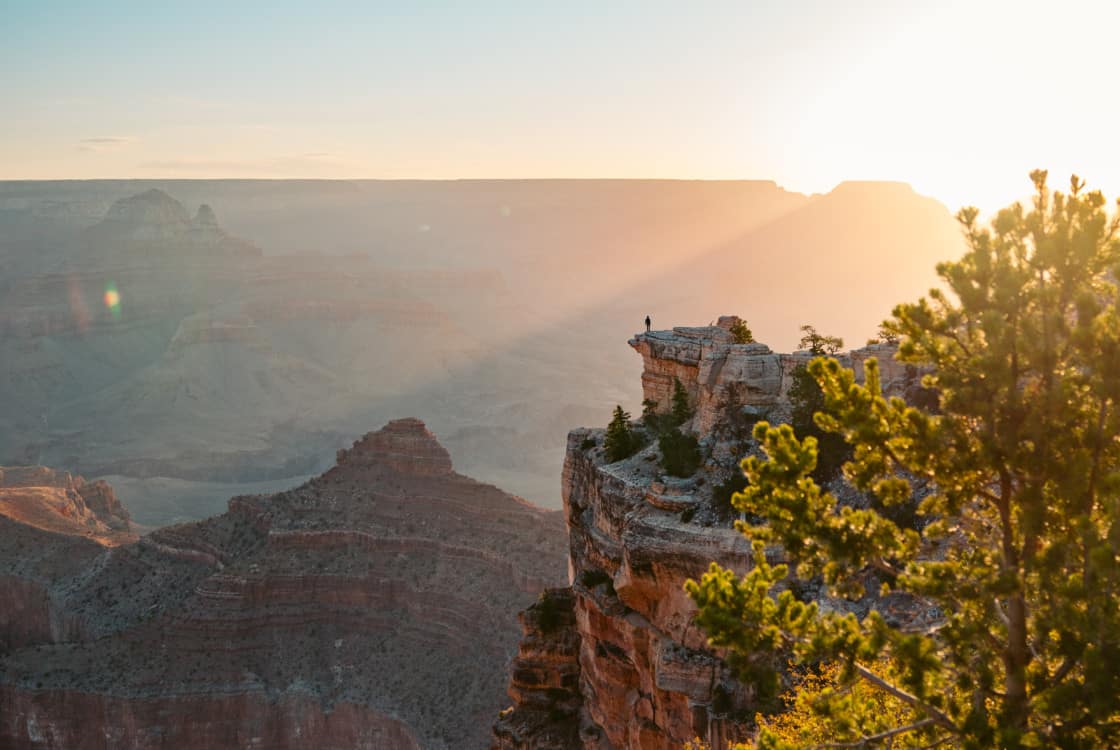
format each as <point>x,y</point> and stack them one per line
<point>615,660</point>
<point>371,606</point>
<point>259,326</point>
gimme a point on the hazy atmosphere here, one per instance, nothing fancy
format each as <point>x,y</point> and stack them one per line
<point>559,376</point>
<point>808,93</point>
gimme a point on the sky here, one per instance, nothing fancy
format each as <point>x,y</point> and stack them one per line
<point>959,99</point>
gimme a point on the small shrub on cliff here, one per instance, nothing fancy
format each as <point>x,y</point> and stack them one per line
<point>621,442</point>
<point>680,454</point>
<point>548,613</point>
<point>819,344</point>
<point>741,332</point>
<point>885,335</point>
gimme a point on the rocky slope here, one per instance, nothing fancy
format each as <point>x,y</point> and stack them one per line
<point>367,608</point>
<point>646,676</point>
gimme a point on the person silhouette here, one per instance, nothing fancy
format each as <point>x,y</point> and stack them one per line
<point>647,324</point>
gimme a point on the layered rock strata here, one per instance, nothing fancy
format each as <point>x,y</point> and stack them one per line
<point>647,677</point>
<point>368,608</point>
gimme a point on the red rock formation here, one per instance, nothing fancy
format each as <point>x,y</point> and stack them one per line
<point>370,607</point>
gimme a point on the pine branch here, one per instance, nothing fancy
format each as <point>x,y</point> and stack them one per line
<point>938,717</point>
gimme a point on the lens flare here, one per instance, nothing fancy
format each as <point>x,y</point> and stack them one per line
<point>113,300</point>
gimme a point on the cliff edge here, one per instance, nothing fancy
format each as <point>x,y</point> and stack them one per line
<point>645,673</point>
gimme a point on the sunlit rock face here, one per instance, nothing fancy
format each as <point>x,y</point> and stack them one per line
<point>720,375</point>
<point>647,677</point>
<point>58,501</point>
<point>370,607</point>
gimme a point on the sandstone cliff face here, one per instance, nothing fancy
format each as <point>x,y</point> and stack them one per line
<point>647,678</point>
<point>368,608</point>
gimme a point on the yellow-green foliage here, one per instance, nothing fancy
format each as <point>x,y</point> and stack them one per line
<point>1017,571</point>
<point>821,708</point>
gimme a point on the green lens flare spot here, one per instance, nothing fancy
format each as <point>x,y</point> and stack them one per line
<point>113,300</point>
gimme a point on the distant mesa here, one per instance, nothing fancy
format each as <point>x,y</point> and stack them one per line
<point>155,222</point>
<point>151,208</point>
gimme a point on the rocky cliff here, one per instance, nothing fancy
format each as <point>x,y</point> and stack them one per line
<point>367,608</point>
<point>646,676</point>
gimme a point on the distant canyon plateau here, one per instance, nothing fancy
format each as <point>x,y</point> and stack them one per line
<point>193,340</point>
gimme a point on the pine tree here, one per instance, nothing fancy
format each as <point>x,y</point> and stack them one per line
<point>681,411</point>
<point>620,442</point>
<point>1018,568</point>
<point>680,453</point>
<point>741,332</point>
<point>806,399</point>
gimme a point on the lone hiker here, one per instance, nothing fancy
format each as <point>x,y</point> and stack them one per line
<point>647,324</point>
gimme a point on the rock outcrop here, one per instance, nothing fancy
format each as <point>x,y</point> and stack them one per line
<point>647,677</point>
<point>59,502</point>
<point>544,678</point>
<point>368,608</point>
<point>721,375</point>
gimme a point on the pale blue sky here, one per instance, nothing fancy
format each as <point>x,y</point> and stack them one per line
<point>958,98</point>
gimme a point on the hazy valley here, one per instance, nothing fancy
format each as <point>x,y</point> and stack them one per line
<point>252,339</point>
